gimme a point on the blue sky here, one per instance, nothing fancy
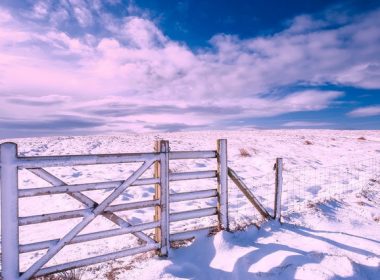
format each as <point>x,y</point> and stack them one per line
<point>75,67</point>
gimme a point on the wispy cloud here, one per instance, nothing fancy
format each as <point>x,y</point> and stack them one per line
<point>40,10</point>
<point>38,100</point>
<point>306,124</point>
<point>136,74</point>
<point>366,111</point>
<point>82,12</point>
<point>5,15</point>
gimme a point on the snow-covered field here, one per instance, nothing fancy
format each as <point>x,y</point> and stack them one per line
<point>320,237</point>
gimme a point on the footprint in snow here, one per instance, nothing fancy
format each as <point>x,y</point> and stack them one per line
<point>145,194</point>
<point>314,189</point>
<point>77,174</point>
<point>127,196</point>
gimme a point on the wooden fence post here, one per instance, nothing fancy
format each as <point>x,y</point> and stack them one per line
<point>9,212</point>
<point>222,184</point>
<point>161,170</point>
<point>278,190</point>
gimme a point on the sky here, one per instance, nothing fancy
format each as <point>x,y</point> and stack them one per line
<point>80,67</point>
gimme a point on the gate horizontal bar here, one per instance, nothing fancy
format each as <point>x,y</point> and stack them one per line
<point>192,195</point>
<point>185,215</point>
<point>113,184</point>
<point>192,175</point>
<point>25,248</point>
<point>97,259</point>
<point>82,187</point>
<point>36,219</point>
<point>189,234</point>
<point>132,205</point>
<point>72,160</point>
<point>192,155</point>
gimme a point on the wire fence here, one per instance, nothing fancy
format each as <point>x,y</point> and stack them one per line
<point>301,187</point>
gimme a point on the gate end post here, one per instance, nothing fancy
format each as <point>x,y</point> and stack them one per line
<point>9,211</point>
<point>222,184</point>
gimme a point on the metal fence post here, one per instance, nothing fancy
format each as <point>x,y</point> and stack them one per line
<point>278,190</point>
<point>9,212</point>
<point>161,170</point>
<point>222,184</point>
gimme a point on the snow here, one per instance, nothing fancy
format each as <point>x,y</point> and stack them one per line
<point>321,237</point>
<point>332,241</point>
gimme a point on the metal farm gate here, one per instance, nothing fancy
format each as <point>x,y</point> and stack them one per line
<point>11,163</point>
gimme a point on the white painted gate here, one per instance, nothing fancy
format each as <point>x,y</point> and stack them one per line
<point>10,164</point>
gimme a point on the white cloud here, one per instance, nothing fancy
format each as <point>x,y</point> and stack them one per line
<point>57,17</point>
<point>365,111</point>
<point>306,124</point>
<point>5,16</point>
<point>136,62</point>
<point>40,10</point>
<point>141,33</point>
<point>311,100</point>
<point>82,12</point>
<point>305,23</point>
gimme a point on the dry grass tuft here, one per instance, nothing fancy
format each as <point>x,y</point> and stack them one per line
<point>244,152</point>
<point>115,272</point>
<point>73,274</point>
<point>181,243</point>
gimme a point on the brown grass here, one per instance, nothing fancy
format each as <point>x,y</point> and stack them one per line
<point>181,243</point>
<point>73,274</point>
<point>116,271</point>
<point>244,152</point>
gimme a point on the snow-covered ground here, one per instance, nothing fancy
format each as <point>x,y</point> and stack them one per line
<point>335,240</point>
<point>321,237</point>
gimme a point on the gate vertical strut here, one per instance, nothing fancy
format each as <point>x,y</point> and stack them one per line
<point>161,170</point>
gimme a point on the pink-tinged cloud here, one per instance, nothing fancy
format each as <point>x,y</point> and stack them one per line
<point>368,111</point>
<point>136,65</point>
<point>306,124</point>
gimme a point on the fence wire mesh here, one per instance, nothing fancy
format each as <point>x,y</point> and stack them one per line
<point>301,186</point>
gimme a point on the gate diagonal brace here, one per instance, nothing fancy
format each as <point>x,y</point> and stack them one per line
<point>86,220</point>
<point>249,195</point>
<point>50,178</point>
